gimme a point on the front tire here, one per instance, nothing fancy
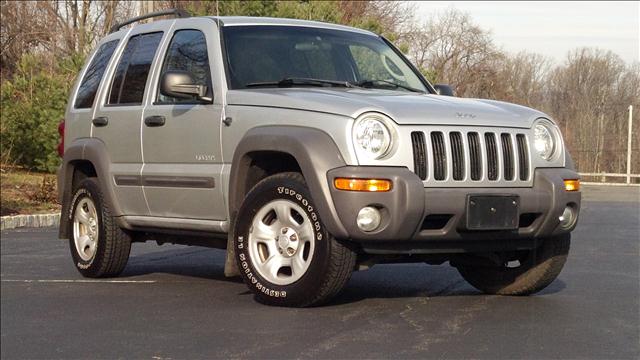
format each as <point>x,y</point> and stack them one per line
<point>537,269</point>
<point>98,246</point>
<point>283,251</point>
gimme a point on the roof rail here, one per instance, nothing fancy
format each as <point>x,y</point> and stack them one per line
<point>176,12</point>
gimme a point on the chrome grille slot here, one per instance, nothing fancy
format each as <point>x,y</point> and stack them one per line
<point>419,154</point>
<point>457,155</point>
<point>492,156</point>
<point>523,156</point>
<point>439,156</point>
<point>507,156</point>
<point>475,156</point>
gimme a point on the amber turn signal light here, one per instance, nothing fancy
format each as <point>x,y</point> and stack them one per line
<point>572,185</point>
<point>372,185</point>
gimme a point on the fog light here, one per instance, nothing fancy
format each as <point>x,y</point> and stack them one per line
<point>568,217</point>
<point>368,218</point>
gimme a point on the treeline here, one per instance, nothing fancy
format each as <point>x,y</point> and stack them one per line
<point>44,44</point>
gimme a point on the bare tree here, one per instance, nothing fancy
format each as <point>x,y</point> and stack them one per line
<point>586,96</point>
<point>456,51</point>
<point>522,79</point>
<point>24,26</point>
<point>58,28</point>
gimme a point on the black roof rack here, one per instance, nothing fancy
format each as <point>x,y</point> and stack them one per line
<point>176,12</point>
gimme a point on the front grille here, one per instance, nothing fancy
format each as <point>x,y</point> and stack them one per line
<point>457,155</point>
<point>507,156</point>
<point>492,156</point>
<point>460,156</point>
<point>439,156</point>
<point>523,155</point>
<point>475,156</point>
<point>419,154</point>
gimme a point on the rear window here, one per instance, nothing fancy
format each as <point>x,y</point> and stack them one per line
<point>131,74</point>
<point>89,86</point>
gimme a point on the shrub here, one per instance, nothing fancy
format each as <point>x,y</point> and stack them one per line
<point>33,103</point>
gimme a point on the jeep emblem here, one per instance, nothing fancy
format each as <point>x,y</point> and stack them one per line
<point>465,115</point>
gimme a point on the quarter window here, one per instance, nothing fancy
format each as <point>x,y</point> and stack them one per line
<point>131,74</point>
<point>89,86</point>
<point>188,52</point>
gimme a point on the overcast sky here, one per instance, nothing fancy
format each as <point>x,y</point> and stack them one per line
<point>553,28</point>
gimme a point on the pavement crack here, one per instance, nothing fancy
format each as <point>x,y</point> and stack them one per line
<point>405,315</point>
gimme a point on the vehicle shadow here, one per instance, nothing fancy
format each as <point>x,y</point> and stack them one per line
<point>381,281</point>
<point>413,280</point>
<point>184,261</point>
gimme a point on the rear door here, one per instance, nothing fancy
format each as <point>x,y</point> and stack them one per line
<point>80,110</point>
<point>181,137</point>
<point>118,115</point>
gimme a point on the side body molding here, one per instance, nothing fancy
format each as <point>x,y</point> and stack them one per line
<point>94,151</point>
<point>316,154</point>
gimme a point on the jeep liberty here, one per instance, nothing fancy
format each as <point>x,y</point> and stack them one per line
<point>308,151</point>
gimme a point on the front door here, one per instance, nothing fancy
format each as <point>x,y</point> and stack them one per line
<point>182,153</point>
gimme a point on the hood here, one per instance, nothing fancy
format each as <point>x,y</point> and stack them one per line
<point>403,107</point>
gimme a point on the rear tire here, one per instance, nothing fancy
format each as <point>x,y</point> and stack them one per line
<point>537,269</point>
<point>99,247</point>
<point>283,251</point>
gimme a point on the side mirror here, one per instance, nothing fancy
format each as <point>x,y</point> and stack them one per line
<point>444,90</point>
<point>181,85</point>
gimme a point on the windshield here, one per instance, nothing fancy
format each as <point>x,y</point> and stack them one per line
<point>288,56</point>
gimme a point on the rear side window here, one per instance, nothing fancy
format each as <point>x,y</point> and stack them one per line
<point>89,86</point>
<point>188,52</point>
<point>131,74</point>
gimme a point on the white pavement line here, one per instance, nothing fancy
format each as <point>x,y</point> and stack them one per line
<point>81,281</point>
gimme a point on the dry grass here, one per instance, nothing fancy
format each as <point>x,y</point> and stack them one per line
<point>25,192</point>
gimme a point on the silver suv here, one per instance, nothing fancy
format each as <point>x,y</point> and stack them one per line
<point>307,151</point>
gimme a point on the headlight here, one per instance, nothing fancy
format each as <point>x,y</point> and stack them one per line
<point>371,136</point>
<point>544,139</point>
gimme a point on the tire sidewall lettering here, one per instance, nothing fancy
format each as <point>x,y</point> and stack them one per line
<point>74,201</point>
<point>246,269</point>
<point>306,204</point>
<point>248,273</point>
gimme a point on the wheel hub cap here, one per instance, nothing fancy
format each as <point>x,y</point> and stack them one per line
<point>85,229</point>
<point>288,242</point>
<point>281,242</point>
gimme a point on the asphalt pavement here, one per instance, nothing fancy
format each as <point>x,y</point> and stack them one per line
<point>173,302</point>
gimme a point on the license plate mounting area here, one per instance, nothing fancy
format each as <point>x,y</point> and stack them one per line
<point>493,212</point>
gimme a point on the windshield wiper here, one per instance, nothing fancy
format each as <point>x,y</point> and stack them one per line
<point>289,82</point>
<point>372,83</point>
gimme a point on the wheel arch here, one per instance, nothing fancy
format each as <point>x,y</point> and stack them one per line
<point>84,158</point>
<point>314,153</point>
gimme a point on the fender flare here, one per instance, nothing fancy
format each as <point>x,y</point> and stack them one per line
<point>316,154</point>
<point>94,151</point>
<point>568,161</point>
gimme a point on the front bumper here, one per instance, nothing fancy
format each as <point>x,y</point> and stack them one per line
<point>433,220</point>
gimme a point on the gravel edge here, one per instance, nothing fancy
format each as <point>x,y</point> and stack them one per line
<point>36,220</point>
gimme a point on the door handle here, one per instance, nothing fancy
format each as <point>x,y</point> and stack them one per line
<point>154,121</point>
<point>100,121</point>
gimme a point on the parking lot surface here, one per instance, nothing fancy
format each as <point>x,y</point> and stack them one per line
<point>173,302</point>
